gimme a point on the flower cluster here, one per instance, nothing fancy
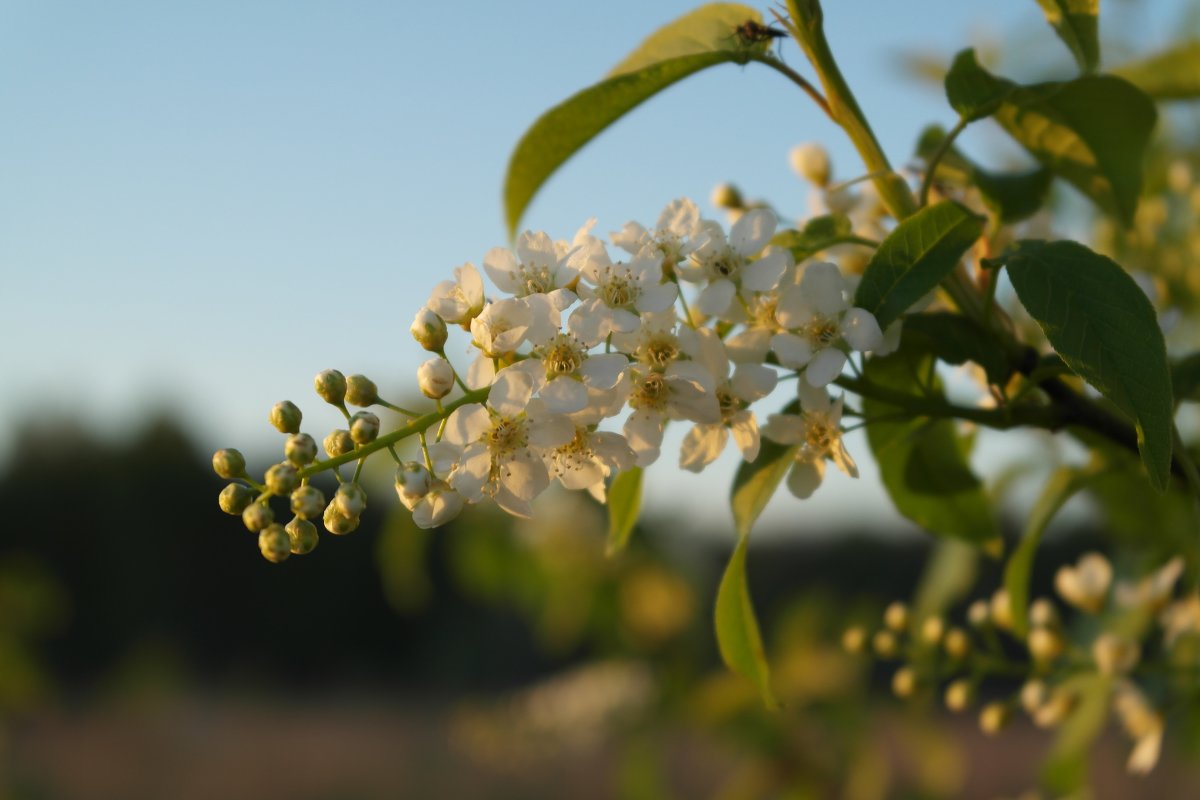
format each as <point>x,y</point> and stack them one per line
<point>577,363</point>
<point>1130,621</point>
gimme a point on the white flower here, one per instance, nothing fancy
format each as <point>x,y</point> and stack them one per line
<point>817,429</point>
<point>437,506</point>
<point>1085,585</point>
<point>501,327</point>
<point>500,444</point>
<point>751,344</point>
<point>614,295</point>
<point>459,300</point>
<point>671,239</point>
<point>1143,724</point>
<point>726,263</point>
<point>819,323</point>
<point>684,390</point>
<point>539,266</point>
<point>435,378</point>
<point>590,457</point>
<point>562,371</point>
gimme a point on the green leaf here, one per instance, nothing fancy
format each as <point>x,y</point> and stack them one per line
<point>1076,23</point>
<point>563,130</point>
<point>1173,74</point>
<point>1011,196</point>
<point>757,480</point>
<point>973,91</point>
<point>914,258</point>
<point>948,577</point>
<point>819,233</point>
<point>737,628</point>
<point>1104,328</point>
<point>1063,483</point>
<point>709,28</point>
<point>1093,131</point>
<point>1065,769</point>
<point>921,461</point>
<point>1185,378</point>
<point>624,505</point>
<point>956,340</point>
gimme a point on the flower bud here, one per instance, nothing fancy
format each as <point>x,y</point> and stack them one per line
<point>1043,614</point>
<point>331,387</point>
<point>274,543</point>
<point>978,614</point>
<point>811,162</point>
<point>1114,655</point>
<point>1045,645</point>
<point>438,507</point>
<point>361,391</point>
<point>281,478</point>
<point>307,502</point>
<point>351,499</point>
<point>884,644</point>
<point>364,427</point>
<point>235,498</point>
<point>1085,585</point>
<point>854,639</point>
<point>993,717</point>
<point>896,616</point>
<point>285,416</point>
<point>435,378</point>
<point>1034,694</point>
<point>302,536</point>
<point>429,330</point>
<point>229,463</point>
<point>1001,610</point>
<point>932,629</point>
<point>957,644</point>
<point>958,695</point>
<point>904,682</point>
<point>412,479</point>
<point>726,195</point>
<point>257,516</point>
<point>338,523</point>
<point>300,449</point>
<point>339,442</point>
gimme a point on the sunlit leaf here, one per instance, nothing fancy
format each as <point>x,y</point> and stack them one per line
<point>706,29</point>
<point>973,91</point>
<point>1076,23</point>
<point>1059,488</point>
<point>1104,328</point>
<point>624,505</point>
<point>947,578</point>
<point>1173,74</point>
<point>563,130</point>
<point>1066,768</point>
<point>914,258</point>
<point>757,480</point>
<point>738,636</point>
<point>819,233</point>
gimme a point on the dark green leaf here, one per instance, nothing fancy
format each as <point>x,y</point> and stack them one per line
<point>737,628</point>
<point>914,258</point>
<point>921,461</point>
<point>563,130</point>
<point>1011,196</point>
<point>1104,328</point>
<point>956,339</point>
<point>818,234</point>
<point>973,91</point>
<point>1066,768</point>
<point>706,29</point>
<point>757,480</point>
<point>1063,483</point>
<point>1076,23</point>
<point>1185,378</point>
<point>1173,74</point>
<point>1092,131</point>
<point>624,505</point>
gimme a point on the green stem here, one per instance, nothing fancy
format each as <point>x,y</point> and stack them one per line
<point>416,426</point>
<point>934,406</point>
<point>936,158</point>
<point>796,78</point>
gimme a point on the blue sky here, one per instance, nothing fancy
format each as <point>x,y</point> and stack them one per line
<point>203,204</point>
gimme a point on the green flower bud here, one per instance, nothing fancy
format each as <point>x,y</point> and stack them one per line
<point>413,478</point>
<point>338,523</point>
<point>429,330</point>
<point>229,463</point>
<point>257,517</point>
<point>235,498</point>
<point>307,502</point>
<point>958,695</point>
<point>895,616</point>
<point>994,717</point>
<point>274,543</point>
<point>302,535</point>
<point>364,427</point>
<point>726,195</point>
<point>300,449</point>
<point>904,682</point>
<point>281,478</point>
<point>361,391</point>
<point>339,442</point>
<point>351,499</point>
<point>331,386</point>
<point>854,640</point>
<point>285,416</point>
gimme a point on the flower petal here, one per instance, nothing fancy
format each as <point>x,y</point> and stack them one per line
<point>752,231</point>
<point>825,366</point>
<point>860,330</point>
<point>805,477</point>
<point>701,446</point>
